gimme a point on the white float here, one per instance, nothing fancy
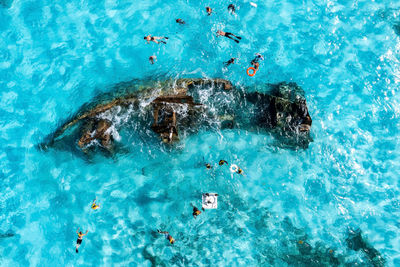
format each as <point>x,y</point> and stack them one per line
<point>210,201</point>
<point>253,4</point>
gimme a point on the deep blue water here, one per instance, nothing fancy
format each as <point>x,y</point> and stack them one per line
<point>290,208</point>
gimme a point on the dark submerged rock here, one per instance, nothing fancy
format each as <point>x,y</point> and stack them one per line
<point>356,242</point>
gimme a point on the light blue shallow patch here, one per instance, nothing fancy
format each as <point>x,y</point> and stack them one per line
<point>56,56</point>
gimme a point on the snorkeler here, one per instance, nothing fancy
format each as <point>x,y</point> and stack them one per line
<point>196,211</point>
<point>94,205</point>
<point>167,236</point>
<point>255,62</point>
<point>152,59</point>
<point>231,8</point>
<point>180,21</point>
<point>79,241</point>
<point>150,38</point>
<point>230,61</point>
<point>228,35</point>
<point>222,162</point>
<point>209,10</point>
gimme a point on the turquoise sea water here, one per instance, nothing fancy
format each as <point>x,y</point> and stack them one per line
<point>58,55</point>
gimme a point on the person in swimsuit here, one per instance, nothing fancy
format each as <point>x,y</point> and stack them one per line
<point>79,241</point>
<point>240,171</point>
<point>180,21</point>
<point>167,236</point>
<point>222,162</point>
<point>150,38</point>
<point>229,35</point>
<point>94,205</point>
<point>196,211</point>
<point>231,8</point>
<point>230,61</point>
<point>152,59</point>
<point>255,62</point>
<point>208,166</point>
<point>209,10</point>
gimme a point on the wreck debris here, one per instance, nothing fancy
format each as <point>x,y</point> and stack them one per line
<point>171,108</point>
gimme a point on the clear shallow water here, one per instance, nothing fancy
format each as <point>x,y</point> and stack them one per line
<point>54,57</point>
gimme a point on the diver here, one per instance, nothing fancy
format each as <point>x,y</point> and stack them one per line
<point>230,61</point>
<point>150,38</point>
<point>167,236</point>
<point>79,241</point>
<point>228,35</point>
<point>209,10</point>
<point>222,162</point>
<point>231,8</point>
<point>152,59</point>
<point>180,21</point>
<point>196,211</point>
<point>94,205</point>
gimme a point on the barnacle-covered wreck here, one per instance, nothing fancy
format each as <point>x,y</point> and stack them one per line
<point>174,108</point>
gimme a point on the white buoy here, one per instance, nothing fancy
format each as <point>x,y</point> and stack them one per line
<point>210,201</point>
<point>253,4</point>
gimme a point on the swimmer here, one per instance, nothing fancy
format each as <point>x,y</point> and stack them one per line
<point>230,61</point>
<point>231,8</point>
<point>196,211</point>
<point>255,64</point>
<point>79,241</point>
<point>94,205</point>
<point>167,236</point>
<point>229,35</point>
<point>180,21</point>
<point>152,59</point>
<point>208,166</point>
<point>222,162</point>
<point>240,171</point>
<point>150,38</point>
<point>209,10</point>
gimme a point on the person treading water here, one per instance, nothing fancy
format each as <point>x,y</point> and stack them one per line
<point>209,10</point>
<point>222,162</point>
<point>150,38</point>
<point>167,236</point>
<point>231,8</point>
<point>152,59</point>
<point>180,21</point>
<point>94,205</point>
<point>255,62</point>
<point>230,61</point>
<point>196,211</point>
<point>228,35</point>
<point>80,237</point>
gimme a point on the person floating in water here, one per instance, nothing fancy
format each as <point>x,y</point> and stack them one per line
<point>222,162</point>
<point>231,8</point>
<point>240,171</point>
<point>79,241</point>
<point>180,21</point>
<point>230,61</point>
<point>196,211</point>
<point>167,236</point>
<point>255,61</point>
<point>94,205</point>
<point>229,35</point>
<point>152,59</point>
<point>150,38</point>
<point>209,10</point>
<point>208,166</point>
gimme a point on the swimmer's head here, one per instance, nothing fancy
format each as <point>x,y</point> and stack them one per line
<point>208,166</point>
